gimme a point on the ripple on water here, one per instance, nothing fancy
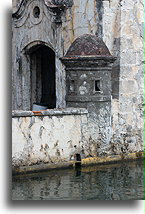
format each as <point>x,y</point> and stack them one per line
<point>111,182</point>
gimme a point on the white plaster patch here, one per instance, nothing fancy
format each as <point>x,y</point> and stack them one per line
<point>83,90</point>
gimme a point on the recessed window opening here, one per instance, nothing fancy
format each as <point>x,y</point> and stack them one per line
<point>43,89</point>
<point>97,86</point>
<point>36,12</point>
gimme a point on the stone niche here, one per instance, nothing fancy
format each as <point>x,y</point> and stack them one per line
<point>88,65</point>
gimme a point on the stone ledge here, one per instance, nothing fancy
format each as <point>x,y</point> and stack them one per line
<point>50,112</point>
<point>112,159</point>
<point>42,167</point>
<point>84,162</point>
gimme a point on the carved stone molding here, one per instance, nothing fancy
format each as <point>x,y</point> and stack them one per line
<point>55,8</point>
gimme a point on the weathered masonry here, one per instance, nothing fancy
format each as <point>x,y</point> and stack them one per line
<point>77,75</point>
<point>37,47</point>
<point>88,85</point>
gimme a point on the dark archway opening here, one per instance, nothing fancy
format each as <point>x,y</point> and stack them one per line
<point>43,89</point>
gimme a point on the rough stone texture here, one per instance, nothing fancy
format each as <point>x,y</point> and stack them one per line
<point>25,36</point>
<point>48,139</point>
<point>80,19</point>
<point>89,86</point>
<point>88,45</point>
<point>91,67</point>
<point>120,24</point>
<point>65,3</point>
<point>123,34</point>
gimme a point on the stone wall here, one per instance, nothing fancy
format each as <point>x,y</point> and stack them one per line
<point>120,24</point>
<point>123,34</point>
<point>55,136</point>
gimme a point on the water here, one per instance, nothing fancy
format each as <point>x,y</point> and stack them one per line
<point>111,182</point>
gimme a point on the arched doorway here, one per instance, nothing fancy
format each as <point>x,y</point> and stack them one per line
<point>42,66</point>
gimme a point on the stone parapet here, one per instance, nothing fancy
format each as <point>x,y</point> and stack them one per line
<point>49,137</point>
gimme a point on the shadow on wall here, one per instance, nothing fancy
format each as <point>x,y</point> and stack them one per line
<point>116,70</point>
<point>116,44</point>
<point>116,52</point>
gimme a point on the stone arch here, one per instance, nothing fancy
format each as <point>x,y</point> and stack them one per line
<point>28,48</point>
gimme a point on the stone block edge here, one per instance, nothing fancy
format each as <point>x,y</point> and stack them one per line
<point>84,162</point>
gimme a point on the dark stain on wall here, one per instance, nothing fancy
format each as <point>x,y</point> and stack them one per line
<point>99,5</point>
<point>116,70</point>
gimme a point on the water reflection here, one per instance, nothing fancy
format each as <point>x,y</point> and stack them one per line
<point>112,182</point>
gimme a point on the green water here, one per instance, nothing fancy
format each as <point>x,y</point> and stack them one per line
<point>112,182</point>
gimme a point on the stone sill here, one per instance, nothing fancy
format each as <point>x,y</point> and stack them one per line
<point>50,112</point>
